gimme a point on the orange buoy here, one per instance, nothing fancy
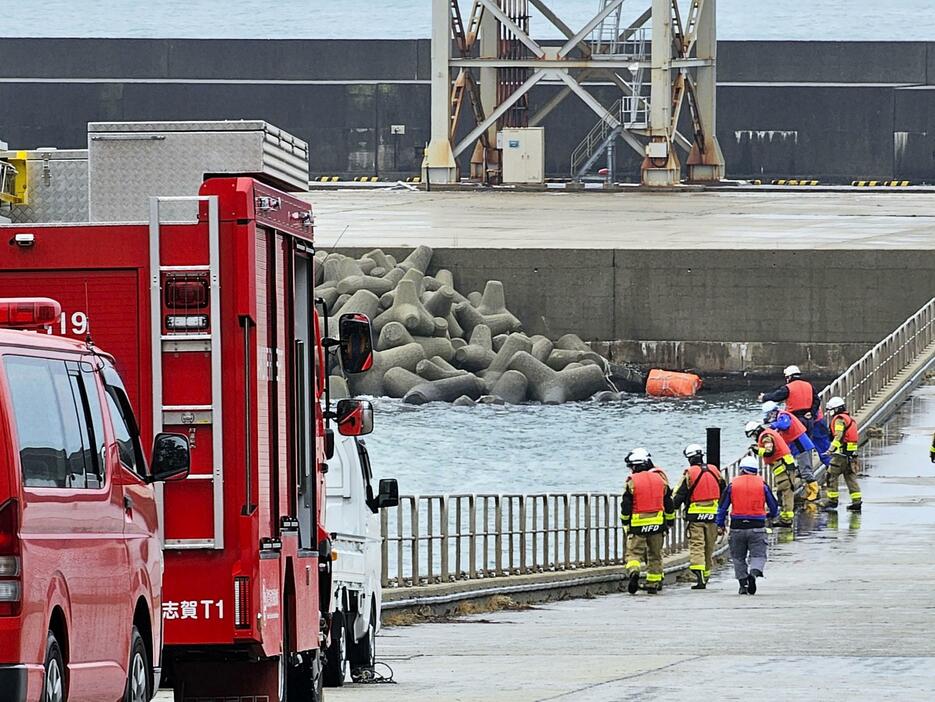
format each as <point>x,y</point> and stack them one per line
<point>662,383</point>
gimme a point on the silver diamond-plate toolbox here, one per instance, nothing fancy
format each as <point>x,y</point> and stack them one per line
<point>129,162</point>
<point>57,186</point>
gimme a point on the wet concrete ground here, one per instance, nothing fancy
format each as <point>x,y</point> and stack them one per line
<point>646,220</point>
<point>846,612</point>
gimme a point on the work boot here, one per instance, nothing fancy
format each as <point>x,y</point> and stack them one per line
<point>855,506</point>
<point>812,491</point>
<point>830,504</point>
<point>756,573</point>
<point>784,523</point>
<point>634,583</point>
<point>700,583</point>
<point>743,586</point>
<point>751,584</point>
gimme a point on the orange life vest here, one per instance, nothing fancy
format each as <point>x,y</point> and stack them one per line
<point>801,396</point>
<point>795,430</point>
<point>780,447</point>
<point>648,492</point>
<point>747,496</point>
<point>704,486</point>
<point>850,427</point>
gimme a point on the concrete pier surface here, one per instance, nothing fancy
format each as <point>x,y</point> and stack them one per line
<point>767,219</point>
<point>845,613</point>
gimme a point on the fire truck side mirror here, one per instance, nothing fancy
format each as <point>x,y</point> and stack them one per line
<point>389,493</point>
<point>356,341</point>
<point>355,417</point>
<point>171,458</point>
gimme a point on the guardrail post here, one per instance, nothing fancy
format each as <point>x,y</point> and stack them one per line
<point>498,535</point>
<point>385,546</point>
<point>416,551</point>
<point>400,547</point>
<point>522,533</point>
<point>430,539</point>
<point>472,536</point>
<point>587,530</point>
<point>443,517</point>
<point>545,532</point>
<point>567,528</point>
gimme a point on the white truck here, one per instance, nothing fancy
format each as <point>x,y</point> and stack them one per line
<point>354,524</point>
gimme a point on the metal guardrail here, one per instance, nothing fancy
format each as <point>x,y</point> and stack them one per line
<point>446,538</point>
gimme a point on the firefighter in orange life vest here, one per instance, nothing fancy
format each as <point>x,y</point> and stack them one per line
<point>750,502</point>
<point>776,454</point>
<point>844,431</point>
<point>699,490</point>
<point>646,511</point>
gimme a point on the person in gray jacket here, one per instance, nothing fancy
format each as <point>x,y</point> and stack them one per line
<point>750,502</point>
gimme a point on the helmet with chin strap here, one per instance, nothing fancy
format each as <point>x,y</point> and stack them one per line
<point>639,459</point>
<point>792,372</point>
<point>752,429</point>
<point>836,405</point>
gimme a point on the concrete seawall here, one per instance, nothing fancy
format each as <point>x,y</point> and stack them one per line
<point>717,311</point>
<point>802,109</point>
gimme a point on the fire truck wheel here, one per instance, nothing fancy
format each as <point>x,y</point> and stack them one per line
<point>137,689</point>
<point>335,668</point>
<point>53,686</point>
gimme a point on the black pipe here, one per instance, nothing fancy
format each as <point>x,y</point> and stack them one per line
<point>714,446</point>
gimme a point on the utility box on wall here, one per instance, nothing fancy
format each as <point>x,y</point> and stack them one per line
<point>523,152</point>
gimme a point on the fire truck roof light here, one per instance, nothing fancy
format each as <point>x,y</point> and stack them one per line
<point>28,312</point>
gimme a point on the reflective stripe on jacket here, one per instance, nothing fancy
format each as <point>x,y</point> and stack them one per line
<point>648,498</point>
<point>705,488</point>
<point>845,432</point>
<point>781,455</point>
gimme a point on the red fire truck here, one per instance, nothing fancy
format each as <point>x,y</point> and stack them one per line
<point>213,327</point>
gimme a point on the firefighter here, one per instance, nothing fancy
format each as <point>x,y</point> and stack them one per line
<point>775,453</point>
<point>793,433</point>
<point>843,455</point>
<point>750,502</point>
<point>932,450</point>
<point>802,401</point>
<point>699,491</point>
<point>646,512</point>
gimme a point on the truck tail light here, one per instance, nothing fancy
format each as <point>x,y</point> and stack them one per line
<point>11,587</point>
<point>187,291</point>
<point>28,312</point>
<point>241,602</point>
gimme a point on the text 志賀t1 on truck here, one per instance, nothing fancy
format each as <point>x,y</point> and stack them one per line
<point>213,325</point>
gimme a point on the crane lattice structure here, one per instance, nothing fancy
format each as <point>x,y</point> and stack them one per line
<point>498,63</point>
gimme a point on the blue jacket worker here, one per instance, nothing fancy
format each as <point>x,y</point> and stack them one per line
<point>750,502</point>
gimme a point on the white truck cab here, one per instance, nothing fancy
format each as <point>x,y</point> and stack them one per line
<point>354,524</point>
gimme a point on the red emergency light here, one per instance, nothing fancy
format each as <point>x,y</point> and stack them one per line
<point>28,312</point>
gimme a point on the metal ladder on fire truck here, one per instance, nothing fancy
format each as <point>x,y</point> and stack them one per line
<point>164,341</point>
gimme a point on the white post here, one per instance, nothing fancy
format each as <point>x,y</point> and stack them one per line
<point>661,166</point>
<point>489,42</point>
<point>706,162</point>
<point>438,165</point>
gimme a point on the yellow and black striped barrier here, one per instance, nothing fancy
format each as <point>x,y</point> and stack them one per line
<point>793,181</point>
<point>327,179</point>
<point>880,183</point>
<point>414,179</point>
<point>365,179</point>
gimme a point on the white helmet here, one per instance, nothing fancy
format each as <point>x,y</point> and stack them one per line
<point>835,405</point>
<point>749,464</point>
<point>693,450</point>
<point>752,428</point>
<point>769,407</point>
<point>791,371</point>
<point>638,457</point>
